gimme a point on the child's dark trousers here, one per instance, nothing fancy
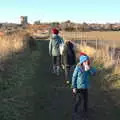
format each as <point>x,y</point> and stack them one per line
<point>81,96</point>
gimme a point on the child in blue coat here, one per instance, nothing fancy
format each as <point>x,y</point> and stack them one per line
<point>80,82</point>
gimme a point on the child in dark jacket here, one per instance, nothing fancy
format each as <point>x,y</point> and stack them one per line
<point>69,59</point>
<point>80,82</point>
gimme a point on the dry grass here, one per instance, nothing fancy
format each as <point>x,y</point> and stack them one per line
<point>111,35</point>
<point>116,71</point>
<point>101,57</point>
<point>112,38</point>
<point>12,43</point>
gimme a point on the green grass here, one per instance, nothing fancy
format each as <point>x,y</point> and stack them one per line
<point>14,90</point>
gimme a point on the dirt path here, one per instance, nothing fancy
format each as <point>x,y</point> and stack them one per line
<point>50,100</point>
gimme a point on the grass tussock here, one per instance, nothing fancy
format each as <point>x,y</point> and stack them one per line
<point>12,43</point>
<point>103,61</point>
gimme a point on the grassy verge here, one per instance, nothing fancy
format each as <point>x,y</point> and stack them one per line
<point>15,70</point>
<point>15,90</point>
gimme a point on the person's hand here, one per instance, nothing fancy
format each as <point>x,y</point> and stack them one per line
<point>74,90</point>
<point>86,66</point>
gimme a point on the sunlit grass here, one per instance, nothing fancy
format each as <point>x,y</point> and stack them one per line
<point>102,59</point>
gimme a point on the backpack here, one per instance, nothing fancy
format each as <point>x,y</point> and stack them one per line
<point>61,45</point>
<point>70,49</point>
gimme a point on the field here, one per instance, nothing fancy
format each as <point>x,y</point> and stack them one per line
<point>111,38</point>
<point>110,35</point>
<point>29,91</point>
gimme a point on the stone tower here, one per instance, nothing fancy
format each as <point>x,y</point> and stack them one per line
<point>24,20</point>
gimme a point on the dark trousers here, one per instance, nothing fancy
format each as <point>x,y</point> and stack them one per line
<point>80,97</point>
<point>68,72</point>
<point>56,60</point>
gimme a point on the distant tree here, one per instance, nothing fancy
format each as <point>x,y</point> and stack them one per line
<point>68,21</point>
<point>108,27</point>
<point>55,24</point>
<point>37,22</point>
<point>0,25</point>
<point>85,27</point>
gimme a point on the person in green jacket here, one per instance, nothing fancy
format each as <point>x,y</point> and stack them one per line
<point>54,50</point>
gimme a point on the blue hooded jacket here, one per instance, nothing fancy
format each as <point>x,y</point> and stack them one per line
<point>54,45</point>
<point>80,79</point>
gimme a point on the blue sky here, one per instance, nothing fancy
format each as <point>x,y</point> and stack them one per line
<point>100,11</point>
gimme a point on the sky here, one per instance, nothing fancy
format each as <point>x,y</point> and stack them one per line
<point>91,11</point>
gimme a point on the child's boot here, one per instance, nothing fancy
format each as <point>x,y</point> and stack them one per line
<point>58,70</point>
<point>54,69</point>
